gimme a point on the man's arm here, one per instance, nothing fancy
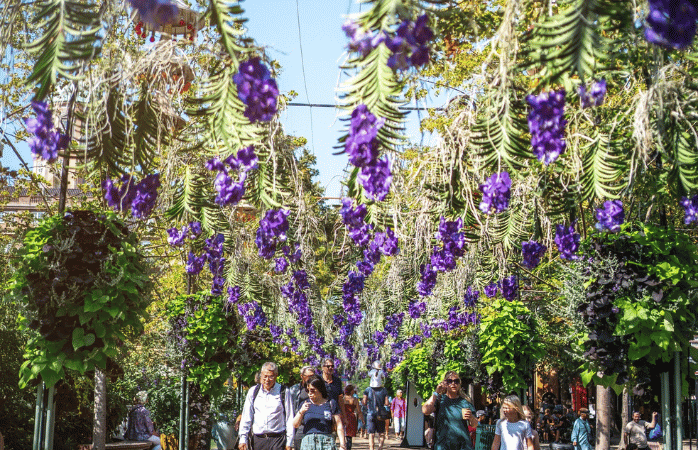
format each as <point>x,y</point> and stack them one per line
<point>246,421</point>
<point>654,420</point>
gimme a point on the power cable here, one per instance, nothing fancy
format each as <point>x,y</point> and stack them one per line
<point>305,84</point>
<point>327,105</point>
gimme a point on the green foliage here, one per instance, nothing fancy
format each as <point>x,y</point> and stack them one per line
<point>70,39</point>
<point>225,15</point>
<point>205,330</point>
<point>509,344</point>
<point>81,280</point>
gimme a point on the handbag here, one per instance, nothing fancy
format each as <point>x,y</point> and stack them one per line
<point>382,411</point>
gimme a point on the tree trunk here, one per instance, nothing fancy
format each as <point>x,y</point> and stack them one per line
<point>626,414</point>
<point>603,418</point>
<point>99,428</point>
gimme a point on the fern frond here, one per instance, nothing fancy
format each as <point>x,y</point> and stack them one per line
<point>603,164</point>
<point>69,39</point>
<point>575,40</point>
<point>190,197</point>
<point>225,15</point>
<point>107,147</point>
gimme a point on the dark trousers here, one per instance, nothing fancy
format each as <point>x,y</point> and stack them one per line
<point>261,442</point>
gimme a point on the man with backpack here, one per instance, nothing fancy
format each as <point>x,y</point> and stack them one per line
<point>267,414</point>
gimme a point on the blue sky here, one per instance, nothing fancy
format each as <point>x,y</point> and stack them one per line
<point>274,25</point>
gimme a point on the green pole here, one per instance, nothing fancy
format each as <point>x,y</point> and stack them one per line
<point>50,419</point>
<point>666,411</point>
<point>677,400</point>
<point>186,416</point>
<point>182,416</point>
<point>38,416</point>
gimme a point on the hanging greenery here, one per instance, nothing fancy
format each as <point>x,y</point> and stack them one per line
<point>84,287</point>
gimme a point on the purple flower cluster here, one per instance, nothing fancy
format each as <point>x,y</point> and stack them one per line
<point>567,241</point>
<point>139,198</point>
<point>691,207</point>
<point>491,290</point>
<point>443,258</point>
<point>393,323</point>
<point>671,23</point>
<point>362,147</point>
<point>595,96</point>
<point>510,287</point>
<point>532,252</point>
<point>272,231</point>
<point>229,191</point>
<point>360,40</point>
<point>176,237</point>
<point>257,90</point>
<point>275,331</point>
<point>253,314</point>
<point>546,122</point>
<point>46,142</point>
<point>409,45</point>
<point>416,309</point>
<point>156,12</point>
<point>496,193</point>
<point>353,218</point>
<point>470,298</point>
<point>458,319</point>
<point>213,251</point>
<point>611,216</point>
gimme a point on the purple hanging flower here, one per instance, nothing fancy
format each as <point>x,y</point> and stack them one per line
<point>361,144</point>
<point>280,265</point>
<point>294,257</point>
<point>257,90</point>
<point>46,142</point>
<point>194,264</point>
<point>233,294</point>
<point>567,241</point>
<point>428,280</point>
<point>496,193</point>
<point>416,309</point>
<point>253,314</point>
<point>546,122</point>
<point>510,286</point>
<point>691,207</point>
<point>376,179</point>
<point>352,217</point>
<point>156,12</point>
<point>451,236</point>
<point>176,237</point>
<point>491,290</point>
<point>611,216</point>
<point>532,252</point>
<point>139,198</point>
<point>470,297</point>
<point>595,96</point>
<point>671,23</point>
<point>409,45</point>
<point>361,41</point>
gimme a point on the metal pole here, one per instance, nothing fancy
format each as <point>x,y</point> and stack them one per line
<point>38,416</point>
<point>183,405</point>
<point>186,416</point>
<point>677,400</point>
<point>50,419</point>
<point>666,411</point>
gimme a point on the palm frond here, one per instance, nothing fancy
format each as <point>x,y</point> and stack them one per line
<point>191,197</point>
<point>225,15</point>
<point>510,227</point>
<point>603,164</point>
<point>107,146</point>
<point>69,39</point>
<point>576,41</point>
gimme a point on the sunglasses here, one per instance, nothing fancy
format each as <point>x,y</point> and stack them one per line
<point>452,381</point>
<point>328,366</point>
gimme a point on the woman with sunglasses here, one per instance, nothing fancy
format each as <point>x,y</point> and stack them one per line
<point>317,416</point>
<point>454,414</point>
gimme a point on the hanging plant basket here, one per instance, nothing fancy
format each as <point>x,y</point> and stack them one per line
<point>83,284</point>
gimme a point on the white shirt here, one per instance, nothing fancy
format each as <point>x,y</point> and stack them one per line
<point>268,414</point>
<point>513,434</point>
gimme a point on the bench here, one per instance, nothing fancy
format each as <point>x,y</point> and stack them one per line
<point>121,445</point>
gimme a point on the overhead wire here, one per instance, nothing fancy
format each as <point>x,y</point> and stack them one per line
<point>305,83</point>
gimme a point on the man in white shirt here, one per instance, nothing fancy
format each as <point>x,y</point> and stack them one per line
<point>268,413</point>
<point>635,430</point>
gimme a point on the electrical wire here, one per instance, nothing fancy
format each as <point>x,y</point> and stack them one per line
<point>305,83</point>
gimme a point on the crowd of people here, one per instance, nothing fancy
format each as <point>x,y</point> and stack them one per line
<point>319,413</point>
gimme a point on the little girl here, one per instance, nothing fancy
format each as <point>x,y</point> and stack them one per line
<point>513,431</point>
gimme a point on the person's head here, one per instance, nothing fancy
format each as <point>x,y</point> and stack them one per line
<point>306,372</point>
<point>268,375</point>
<point>141,397</point>
<point>583,413</point>
<point>529,414</point>
<point>398,393</point>
<point>481,415</point>
<point>349,389</point>
<point>511,409</point>
<point>453,384</point>
<point>328,367</point>
<point>317,389</point>
<point>636,416</point>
